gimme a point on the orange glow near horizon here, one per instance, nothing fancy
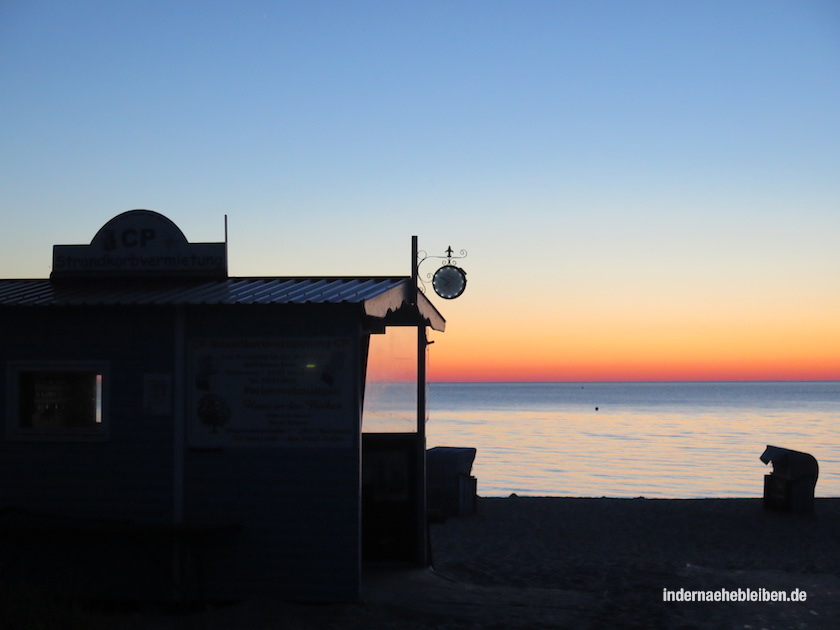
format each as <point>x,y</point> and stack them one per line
<point>630,373</point>
<point>487,340</point>
<point>524,362</point>
<point>618,365</point>
<point>741,353</point>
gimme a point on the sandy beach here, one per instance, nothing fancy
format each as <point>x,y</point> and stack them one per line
<point>582,563</point>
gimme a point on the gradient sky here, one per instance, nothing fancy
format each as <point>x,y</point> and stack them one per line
<point>646,190</point>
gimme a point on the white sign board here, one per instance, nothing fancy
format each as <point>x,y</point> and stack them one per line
<point>294,392</point>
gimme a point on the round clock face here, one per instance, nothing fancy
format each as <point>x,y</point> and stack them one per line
<point>449,281</point>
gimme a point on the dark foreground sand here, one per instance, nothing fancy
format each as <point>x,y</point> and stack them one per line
<point>583,563</point>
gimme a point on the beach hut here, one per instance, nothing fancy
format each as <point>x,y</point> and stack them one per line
<point>171,431</point>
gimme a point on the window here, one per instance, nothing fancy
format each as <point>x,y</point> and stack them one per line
<point>390,402</point>
<point>63,401</point>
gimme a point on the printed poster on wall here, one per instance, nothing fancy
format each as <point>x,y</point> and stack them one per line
<point>294,392</point>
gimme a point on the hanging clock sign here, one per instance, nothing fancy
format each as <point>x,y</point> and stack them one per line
<point>449,281</point>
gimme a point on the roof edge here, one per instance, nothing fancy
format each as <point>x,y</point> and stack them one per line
<point>398,300</point>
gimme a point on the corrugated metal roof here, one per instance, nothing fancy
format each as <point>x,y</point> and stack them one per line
<point>380,296</point>
<point>130,292</point>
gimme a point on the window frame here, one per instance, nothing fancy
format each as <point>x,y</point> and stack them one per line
<point>14,374</point>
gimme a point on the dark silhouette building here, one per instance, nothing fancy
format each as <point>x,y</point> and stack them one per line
<point>171,431</point>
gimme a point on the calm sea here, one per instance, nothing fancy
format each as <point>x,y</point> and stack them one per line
<point>668,440</point>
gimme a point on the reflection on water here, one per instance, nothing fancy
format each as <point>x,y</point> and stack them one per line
<point>676,440</point>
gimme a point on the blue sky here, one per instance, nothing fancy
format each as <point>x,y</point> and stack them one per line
<point>689,150</point>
